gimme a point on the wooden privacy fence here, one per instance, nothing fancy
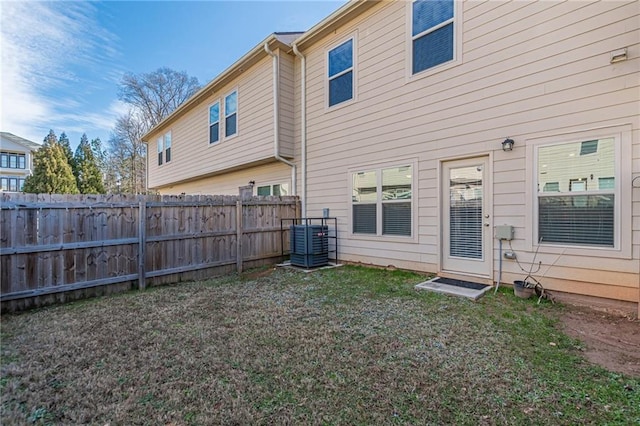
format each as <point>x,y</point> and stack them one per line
<point>51,245</point>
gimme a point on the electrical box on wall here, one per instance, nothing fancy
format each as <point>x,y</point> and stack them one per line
<point>504,232</point>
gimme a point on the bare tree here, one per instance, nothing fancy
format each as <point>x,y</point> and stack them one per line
<point>151,97</point>
<point>127,171</point>
<point>157,94</point>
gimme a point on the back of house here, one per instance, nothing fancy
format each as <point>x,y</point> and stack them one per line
<point>442,134</point>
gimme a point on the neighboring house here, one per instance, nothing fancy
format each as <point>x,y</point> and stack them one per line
<point>16,161</point>
<point>422,126</point>
<point>229,133</point>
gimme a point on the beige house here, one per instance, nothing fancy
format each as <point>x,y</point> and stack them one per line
<point>428,127</point>
<point>16,161</point>
<point>230,133</point>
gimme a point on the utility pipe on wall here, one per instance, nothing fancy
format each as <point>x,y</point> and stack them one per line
<point>276,118</point>
<point>303,126</point>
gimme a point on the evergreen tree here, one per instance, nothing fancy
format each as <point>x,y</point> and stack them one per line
<point>50,139</point>
<point>63,140</point>
<point>52,173</point>
<point>87,171</point>
<point>100,154</point>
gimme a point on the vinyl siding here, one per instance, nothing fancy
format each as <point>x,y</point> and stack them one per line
<point>286,105</point>
<point>229,183</point>
<point>529,70</point>
<point>193,156</point>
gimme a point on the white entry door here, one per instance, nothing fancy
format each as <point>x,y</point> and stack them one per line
<point>466,222</point>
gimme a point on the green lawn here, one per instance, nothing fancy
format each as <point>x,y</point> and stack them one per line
<point>350,345</point>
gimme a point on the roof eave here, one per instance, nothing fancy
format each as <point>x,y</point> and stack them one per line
<point>237,68</point>
<point>336,19</point>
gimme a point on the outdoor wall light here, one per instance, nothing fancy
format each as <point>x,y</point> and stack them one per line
<point>507,144</point>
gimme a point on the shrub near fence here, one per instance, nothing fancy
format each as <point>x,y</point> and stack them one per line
<point>62,247</point>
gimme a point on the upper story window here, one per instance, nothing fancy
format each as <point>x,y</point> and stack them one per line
<point>382,201</point>
<point>214,123</point>
<point>164,148</point>
<point>167,147</point>
<point>231,114</point>
<point>9,160</point>
<point>432,33</point>
<point>340,73</point>
<point>577,193</point>
<point>160,150</point>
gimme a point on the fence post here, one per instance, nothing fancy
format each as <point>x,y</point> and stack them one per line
<point>239,235</point>
<point>142,235</point>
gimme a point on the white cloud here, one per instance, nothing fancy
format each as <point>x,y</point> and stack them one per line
<point>46,48</point>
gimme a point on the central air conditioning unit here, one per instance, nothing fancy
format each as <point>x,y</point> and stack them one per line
<point>309,245</point>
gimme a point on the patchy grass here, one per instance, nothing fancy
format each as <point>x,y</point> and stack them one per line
<point>349,345</point>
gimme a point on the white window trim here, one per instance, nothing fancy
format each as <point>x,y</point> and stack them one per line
<point>457,43</point>
<point>209,143</point>
<point>223,107</point>
<point>354,67</point>
<point>622,248</point>
<point>378,167</point>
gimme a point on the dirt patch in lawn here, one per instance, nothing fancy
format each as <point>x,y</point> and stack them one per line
<point>610,341</point>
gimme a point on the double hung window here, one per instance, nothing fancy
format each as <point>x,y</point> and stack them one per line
<point>231,114</point>
<point>160,145</point>
<point>167,147</point>
<point>214,123</point>
<point>382,201</point>
<point>577,193</point>
<point>340,73</point>
<point>432,33</point>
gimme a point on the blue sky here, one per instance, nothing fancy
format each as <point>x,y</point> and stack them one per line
<point>62,61</point>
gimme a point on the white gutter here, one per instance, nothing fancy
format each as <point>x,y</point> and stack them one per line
<point>303,126</point>
<point>276,119</point>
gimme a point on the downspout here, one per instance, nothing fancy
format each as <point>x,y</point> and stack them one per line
<point>303,126</point>
<point>276,118</point>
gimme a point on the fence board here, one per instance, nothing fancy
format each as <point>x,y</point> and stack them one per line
<point>52,244</point>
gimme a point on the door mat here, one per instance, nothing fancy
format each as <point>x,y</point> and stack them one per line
<point>455,287</point>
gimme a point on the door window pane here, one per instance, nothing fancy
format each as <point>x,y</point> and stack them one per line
<point>465,212</point>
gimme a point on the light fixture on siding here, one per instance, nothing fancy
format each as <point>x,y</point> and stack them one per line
<point>618,55</point>
<point>252,182</point>
<point>507,144</point>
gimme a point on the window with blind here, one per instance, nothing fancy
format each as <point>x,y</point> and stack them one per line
<point>340,73</point>
<point>432,33</point>
<point>577,193</point>
<point>382,201</point>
